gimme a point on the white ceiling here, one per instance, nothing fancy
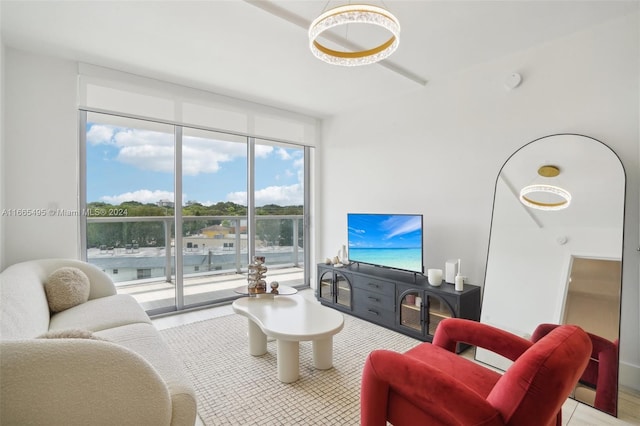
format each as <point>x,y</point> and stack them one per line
<point>248,50</point>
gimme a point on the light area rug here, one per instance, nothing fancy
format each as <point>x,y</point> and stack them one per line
<point>235,388</point>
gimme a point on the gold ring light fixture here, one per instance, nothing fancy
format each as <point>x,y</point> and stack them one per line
<point>354,14</point>
<point>544,196</point>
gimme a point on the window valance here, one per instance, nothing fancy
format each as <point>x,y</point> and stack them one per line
<point>107,90</point>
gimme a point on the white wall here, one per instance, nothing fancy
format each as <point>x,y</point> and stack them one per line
<point>438,150</point>
<point>41,156</point>
<point>2,156</point>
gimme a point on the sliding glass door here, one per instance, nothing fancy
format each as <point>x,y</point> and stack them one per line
<point>279,210</point>
<point>129,205</point>
<point>214,216</point>
<point>174,213</point>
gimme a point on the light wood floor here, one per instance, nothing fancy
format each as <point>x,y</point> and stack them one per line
<point>573,412</point>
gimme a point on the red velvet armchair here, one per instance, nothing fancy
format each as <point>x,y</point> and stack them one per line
<point>431,385</point>
<point>601,373</point>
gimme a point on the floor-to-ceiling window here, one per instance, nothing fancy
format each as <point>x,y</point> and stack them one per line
<point>142,178</point>
<point>279,199</point>
<point>214,216</point>
<point>129,194</point>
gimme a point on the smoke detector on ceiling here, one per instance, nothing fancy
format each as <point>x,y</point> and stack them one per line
<point>512,81</point>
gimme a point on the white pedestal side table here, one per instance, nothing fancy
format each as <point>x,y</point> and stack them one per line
<point>290,320</point>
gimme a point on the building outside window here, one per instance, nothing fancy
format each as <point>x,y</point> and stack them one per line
<point>144,273</point>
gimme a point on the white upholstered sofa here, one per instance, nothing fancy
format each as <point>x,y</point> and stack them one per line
<point>127,376</point>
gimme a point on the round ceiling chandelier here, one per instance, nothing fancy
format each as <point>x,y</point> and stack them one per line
<point>354,14</point>
<point>543,196</point>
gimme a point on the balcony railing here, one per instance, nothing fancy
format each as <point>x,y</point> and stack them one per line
<point>134,250</point>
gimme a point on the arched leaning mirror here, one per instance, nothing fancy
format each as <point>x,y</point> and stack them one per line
<point>555,251</point>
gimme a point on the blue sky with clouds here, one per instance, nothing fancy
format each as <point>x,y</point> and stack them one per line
<point>126,164</point>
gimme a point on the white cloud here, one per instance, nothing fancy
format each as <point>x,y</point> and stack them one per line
<point>280,195</point>
<point>148,157</point>
<point>150,150</point>
<point>400,225</point>
<point>263,151</point>
<point>202,156</point>
<point>239,197</point>
<point>136,137</point>
<point>283,154</point>
<point>154,151</point>
<point>142,195</point>
<point>99,134</point>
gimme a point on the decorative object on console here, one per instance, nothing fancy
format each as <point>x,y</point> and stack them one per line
<point>255,280</point>
<point>451,270</point>
<point>274,287</point>
<point>434,276</point>
<point>459,286</point>
<point>343,255</point>
<point>354,14</point>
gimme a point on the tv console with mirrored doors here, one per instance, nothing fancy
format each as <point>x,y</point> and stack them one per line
<point>398,300</point>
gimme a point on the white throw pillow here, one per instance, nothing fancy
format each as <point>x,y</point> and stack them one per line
<point>66,287</point>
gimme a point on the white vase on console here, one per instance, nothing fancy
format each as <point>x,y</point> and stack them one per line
<point>343,256</point>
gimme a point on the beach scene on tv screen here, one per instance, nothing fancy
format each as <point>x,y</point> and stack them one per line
<point>394,241</point>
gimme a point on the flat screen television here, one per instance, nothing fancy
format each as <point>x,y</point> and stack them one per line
<point>387,240</point>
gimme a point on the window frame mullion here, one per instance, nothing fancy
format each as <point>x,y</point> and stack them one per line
<point>177,214</point>
<point>251,212</point>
